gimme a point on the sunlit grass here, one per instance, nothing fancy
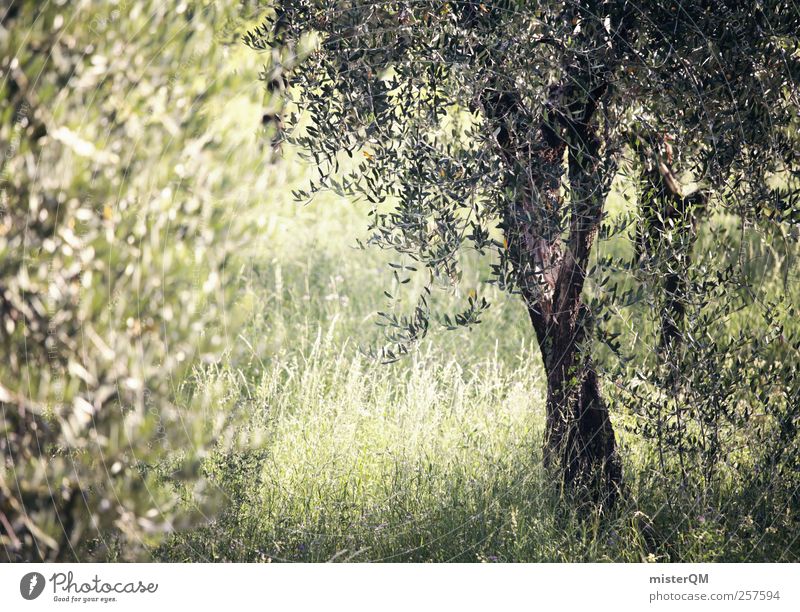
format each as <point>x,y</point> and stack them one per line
<point>434,458</point>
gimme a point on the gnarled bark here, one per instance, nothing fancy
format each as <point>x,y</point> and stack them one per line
<point>550,272</point>
<point>579,436</point>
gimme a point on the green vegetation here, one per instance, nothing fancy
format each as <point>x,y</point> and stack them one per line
<point>121,223</point>
<point>436,457</point>
<point>188,372</point>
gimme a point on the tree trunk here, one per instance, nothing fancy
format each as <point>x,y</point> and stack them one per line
<point>579,437</point>
<point>666,208</point>
<point>550,271</point>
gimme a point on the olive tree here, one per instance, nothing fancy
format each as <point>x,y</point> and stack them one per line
<point>112,266</point>
<point>500,127</point>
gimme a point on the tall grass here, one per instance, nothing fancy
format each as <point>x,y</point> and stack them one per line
<point>332,456</point>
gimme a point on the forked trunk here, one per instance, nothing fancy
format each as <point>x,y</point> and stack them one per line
<point>550,270</point>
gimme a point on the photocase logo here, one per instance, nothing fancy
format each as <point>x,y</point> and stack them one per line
<point>31,585</point>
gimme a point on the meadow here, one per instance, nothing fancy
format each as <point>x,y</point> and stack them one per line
<point>436,457</point>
